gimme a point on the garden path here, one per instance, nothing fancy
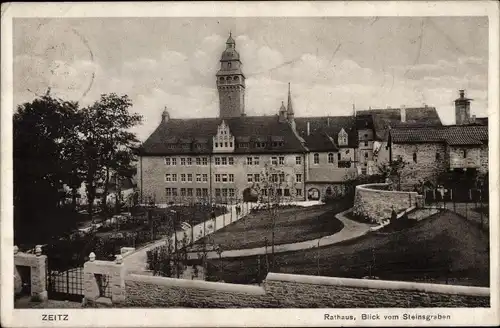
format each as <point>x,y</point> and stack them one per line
<point>352,229</point>
<point>137,261</point>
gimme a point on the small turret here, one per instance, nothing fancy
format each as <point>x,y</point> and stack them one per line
<point>165,116</point>
<point>282,113</point>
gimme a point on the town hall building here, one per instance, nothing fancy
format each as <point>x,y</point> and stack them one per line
<point>227,158</point>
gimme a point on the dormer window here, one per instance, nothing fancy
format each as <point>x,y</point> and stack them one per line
<point>342,137</point>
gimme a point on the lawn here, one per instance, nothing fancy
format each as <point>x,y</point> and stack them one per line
<point>293,224</point>
<point>445,248</point>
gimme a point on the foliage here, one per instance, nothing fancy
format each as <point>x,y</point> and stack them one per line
<point>395,171</point>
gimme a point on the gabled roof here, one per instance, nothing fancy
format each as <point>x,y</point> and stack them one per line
<point>453,135</point>
<point>329,126</point>
<point>391,117</point>
<point>252,128</point>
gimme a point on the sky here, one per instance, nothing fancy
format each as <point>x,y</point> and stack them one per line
<point>332,63</point>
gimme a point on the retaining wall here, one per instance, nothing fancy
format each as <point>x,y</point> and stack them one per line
<point>298,291</point>
<point>372,201</point>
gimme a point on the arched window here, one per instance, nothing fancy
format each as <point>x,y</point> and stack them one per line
<point>235,78</point>
<point>330,158</point>
<point>465,153</point>
<point>316,158</point>
<point>338,156</point>
<point>229,65</point>
<point>221,79</point>
<point>415,157</point>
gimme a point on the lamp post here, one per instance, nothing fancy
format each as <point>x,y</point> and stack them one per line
<point>175,219</point>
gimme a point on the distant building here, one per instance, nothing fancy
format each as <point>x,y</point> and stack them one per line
<point>430,151</point>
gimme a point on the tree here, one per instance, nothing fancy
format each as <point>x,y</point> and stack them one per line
<point>274,187</point>
<point>395,171</point>
<point>42,129</point>
<point>107,144</point>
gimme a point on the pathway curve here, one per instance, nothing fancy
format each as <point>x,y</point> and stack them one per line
<point>352,229</point>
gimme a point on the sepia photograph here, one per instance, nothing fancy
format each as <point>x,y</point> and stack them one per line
<point>251,162</point>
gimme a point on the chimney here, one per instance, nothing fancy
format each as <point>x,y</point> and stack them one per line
<point>473,119</point>
<point>308,128</point>
<point>403,113</point>
<point>462,94</point>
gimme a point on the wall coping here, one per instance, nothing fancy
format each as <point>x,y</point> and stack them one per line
<point>197,284</point>
<point>381,284</point>
<point>366,187</point>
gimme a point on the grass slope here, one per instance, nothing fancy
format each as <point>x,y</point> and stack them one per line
<point>444,248</point>
<point>293,224</point>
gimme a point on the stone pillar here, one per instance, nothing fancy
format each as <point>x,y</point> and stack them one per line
<point>116,275</point>
<point>38,270</point>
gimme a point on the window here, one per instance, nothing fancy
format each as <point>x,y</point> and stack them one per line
<point>347,151</point>
<point>174,177</point>
<point>298,160</point>
<point>230,160</point>
<point>224,178</point>
<point>282,160</point>
<point>225,144</point>
<point>231,144</point>
<point>465,153</point>
<point>224,192</point>
<point>366,143</point>
<point>205,177</point>
<point>274,160</point>
<point>256,177</point>
<point>274,177</point>
<point>224,161</point>
<point>198,177</point>
<point>198,192</point>
<point>216,145</point>
<point>330,158</point>
<point>217,178</point>
<point>183,191</point>
<point>174,161</point>
<point>282,177</point>
<point>190,177</point>
<point>183,177</point>
<point>174,192</point>
<point>204,161</point>
<point>231,177</point>
<point>256,160</point>
<point>286,192</point>
<point>183,161</point>
<point>249,177</point>
<point>167,160</point>
<point>338,157</point>
<point>316,158</point>
<point>198,161</point>
<point>366,154</point>
<point>279,192</point>
<point>249,160</point>
<point>231,192</point>
<point>298,177</point>
<point>415,157</point>
<point>217,192</point>
<point>168,192</point>
<point>217,161</point>
<point>438,156</point>
<point>298,192</point>
<point>264,192</point>
<point>205,192</point>
<point>189,161</point>
<point>363,170</point>
<point>168,178</point>
<point>366,136</point>
<point>190,192</point>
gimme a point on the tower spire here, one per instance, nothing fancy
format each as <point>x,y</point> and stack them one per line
<point>290,107</point>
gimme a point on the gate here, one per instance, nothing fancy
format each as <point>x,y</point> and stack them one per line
<point>64,280</point>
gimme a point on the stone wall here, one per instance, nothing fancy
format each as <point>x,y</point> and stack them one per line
<point>373,202</point>
<point>427,167</point>
<point>298,291</point>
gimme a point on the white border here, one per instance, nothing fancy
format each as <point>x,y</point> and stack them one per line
<point>243,317</point>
